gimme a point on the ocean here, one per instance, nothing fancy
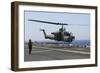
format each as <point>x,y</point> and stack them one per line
<point>81,42</point>
<point>75,42</point>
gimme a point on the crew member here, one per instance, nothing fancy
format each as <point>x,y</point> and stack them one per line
<point>30,46</point>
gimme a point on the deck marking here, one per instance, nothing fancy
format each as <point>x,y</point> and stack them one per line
<point>41,51</point>
<point>73,51</point>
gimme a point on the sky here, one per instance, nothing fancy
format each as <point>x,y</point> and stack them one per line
<point>78,24</point>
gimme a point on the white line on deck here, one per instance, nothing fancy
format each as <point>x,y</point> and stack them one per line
<point>41,51</point>
<point>72,51</point>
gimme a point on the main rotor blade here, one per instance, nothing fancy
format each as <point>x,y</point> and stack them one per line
<point>47,22</point>
<point>78,24</point>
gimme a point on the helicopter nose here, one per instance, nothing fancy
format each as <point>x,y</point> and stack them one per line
<point>73,37</point>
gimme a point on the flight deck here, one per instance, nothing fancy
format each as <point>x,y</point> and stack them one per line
<point>48,52</point>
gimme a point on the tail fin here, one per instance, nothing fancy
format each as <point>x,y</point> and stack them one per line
<point>44,33</point>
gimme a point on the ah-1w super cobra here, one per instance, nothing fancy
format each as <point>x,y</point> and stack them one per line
<point>60,35</point>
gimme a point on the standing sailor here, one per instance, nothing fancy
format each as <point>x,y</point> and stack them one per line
<point>30,46</point>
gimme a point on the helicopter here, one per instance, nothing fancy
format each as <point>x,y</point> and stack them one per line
<point>60,35</point>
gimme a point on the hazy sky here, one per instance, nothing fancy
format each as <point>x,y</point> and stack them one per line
<point>79,24</point>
